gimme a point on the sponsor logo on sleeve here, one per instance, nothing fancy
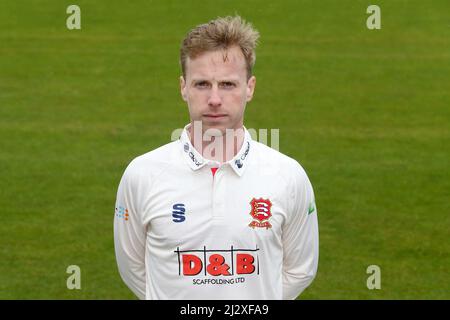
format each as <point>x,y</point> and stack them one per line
<point>312,207</point>
<point>122,213</point>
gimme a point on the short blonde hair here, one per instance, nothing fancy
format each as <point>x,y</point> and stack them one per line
<point>221,33</point>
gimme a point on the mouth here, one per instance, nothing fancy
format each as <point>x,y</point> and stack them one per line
<point>214,116</point>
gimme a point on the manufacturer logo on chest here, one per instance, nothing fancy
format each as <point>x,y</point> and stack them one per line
<point>260,213</point>
<point>178,212</point>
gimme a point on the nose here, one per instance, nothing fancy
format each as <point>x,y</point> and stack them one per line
<point>214,99</point>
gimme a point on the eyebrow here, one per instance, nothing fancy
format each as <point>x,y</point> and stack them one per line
<point>221,80</point>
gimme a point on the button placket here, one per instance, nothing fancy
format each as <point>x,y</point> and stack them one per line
<point>218,196</point>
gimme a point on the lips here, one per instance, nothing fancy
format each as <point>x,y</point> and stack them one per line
<point>214,116</point>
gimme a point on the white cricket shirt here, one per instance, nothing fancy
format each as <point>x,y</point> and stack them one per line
<point>249,231</point>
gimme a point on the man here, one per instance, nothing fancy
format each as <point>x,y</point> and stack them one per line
<point>216,215</point>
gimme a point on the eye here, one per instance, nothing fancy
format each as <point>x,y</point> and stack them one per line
<point>202,84</point>
<point>228,84</point>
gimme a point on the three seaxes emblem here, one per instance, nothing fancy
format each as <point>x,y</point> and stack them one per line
<point>261,213</point>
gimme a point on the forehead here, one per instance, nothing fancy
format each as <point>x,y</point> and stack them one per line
<point>220,63</point>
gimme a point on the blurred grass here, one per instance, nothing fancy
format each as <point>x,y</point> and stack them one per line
<point>365,112</point>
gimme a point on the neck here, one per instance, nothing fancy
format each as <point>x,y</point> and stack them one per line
<point>219,147</point>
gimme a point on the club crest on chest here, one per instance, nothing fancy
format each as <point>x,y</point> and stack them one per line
<point>261,213</point>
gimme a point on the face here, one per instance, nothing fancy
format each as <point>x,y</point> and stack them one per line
<point>216,89</point>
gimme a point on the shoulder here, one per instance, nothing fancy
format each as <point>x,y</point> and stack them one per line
<point>153,162</point>
<point>278,163</point>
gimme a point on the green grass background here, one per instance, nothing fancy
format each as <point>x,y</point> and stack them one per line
<point>366,112</point>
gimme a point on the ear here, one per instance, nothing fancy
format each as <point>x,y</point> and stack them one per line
<point>183,88</point>
<point>251,83</point>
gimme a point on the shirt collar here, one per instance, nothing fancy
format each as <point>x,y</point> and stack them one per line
<point>196,161</point>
